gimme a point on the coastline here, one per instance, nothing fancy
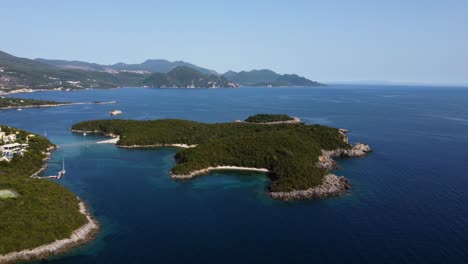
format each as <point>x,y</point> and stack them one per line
<point>207,170</point>
<point>80,236</point>
<point>295,120</point>
<point>332,185</point>
<point>54,105</point>
<point>177,145</point>
<point>116,138</point>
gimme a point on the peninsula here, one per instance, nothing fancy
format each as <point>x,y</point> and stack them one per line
<point>296,157</point>
<point>38,217</point>
<point>19,103</point>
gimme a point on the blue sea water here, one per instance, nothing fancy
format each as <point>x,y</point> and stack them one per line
<point>407,203</point>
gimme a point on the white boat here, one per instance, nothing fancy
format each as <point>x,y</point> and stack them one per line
<point>115,112</point>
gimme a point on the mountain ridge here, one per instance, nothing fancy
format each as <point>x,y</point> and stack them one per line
<point>43,74</point>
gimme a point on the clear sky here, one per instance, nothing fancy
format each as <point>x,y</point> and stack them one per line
<point>370,40</point>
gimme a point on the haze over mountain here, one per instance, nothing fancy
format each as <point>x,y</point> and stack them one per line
<point>268,78</point>
<point>22,73</point>
<point>156,65</point>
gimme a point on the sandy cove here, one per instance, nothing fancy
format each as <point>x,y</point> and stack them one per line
<point>207,170</point>
<point>80,236</point>
<point>158,146</point>
<point>332,185</point>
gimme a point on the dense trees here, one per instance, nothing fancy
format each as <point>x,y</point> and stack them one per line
<point>44,211</point>
<point>289,151</point>
<point>18,102</point>
<point>266,118</point>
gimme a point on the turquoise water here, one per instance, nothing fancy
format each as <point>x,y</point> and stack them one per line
<point>407,204</point>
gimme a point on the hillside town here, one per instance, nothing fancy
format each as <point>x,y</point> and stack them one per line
<point>11,144</point>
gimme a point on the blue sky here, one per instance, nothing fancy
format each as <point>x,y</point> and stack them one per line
<point>400,41</point>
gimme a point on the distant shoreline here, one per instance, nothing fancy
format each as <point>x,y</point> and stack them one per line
<point>54,105</point>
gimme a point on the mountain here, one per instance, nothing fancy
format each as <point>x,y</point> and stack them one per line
<point>163,66</point>
<point>77,65</point>
<point>187,77</point>
<point>268,78</point>
<point>22,73</point>
<point>41,74</point>
<point>149,66</point>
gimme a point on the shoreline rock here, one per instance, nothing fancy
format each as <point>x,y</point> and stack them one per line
<point>80,236</point>
<point>326,161</point>
<point>332,185</point>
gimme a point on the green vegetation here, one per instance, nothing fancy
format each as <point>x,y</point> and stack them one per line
<point>289,151</point>
<point>185,77</point>
<point>21,73</point>
<point>44,211</point>
<point>6,102</point>
<point>268,77</point>
<point>266,118</point>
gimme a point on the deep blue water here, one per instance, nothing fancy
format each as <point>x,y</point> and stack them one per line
<point>407,204</point>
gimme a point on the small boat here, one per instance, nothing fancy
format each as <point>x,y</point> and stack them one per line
<point>19,109</point>
<point>84,134</point>
<point>115,112</point>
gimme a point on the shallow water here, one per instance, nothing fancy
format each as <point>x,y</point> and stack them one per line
<point>407,204</point>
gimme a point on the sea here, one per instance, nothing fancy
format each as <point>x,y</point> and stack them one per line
<point>408,202</point>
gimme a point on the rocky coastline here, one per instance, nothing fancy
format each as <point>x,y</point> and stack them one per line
<point>80,236</point>
<point>332,185</point>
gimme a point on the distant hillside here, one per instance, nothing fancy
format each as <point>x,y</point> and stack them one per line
<point>163,66</point>
<point>41,74</point>
<point>186,77</point>
<point>149,66</point>
<point>268,78</point>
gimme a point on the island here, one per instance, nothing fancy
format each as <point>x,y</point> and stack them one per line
<point>272,119</point>
<point>38,217</point>
<point>298,158</point>
<point>19,103</point>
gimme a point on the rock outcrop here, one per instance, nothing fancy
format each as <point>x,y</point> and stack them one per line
<point>332,185</point>
<point>326,161</point>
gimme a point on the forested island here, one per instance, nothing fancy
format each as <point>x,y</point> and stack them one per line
<point>297,157</point>
<point>40,217</point>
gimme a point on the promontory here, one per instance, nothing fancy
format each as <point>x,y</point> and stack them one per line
<point>38,217</point>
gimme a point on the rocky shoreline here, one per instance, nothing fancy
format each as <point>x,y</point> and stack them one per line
<point>332,185</point>
<point>80,236</point>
